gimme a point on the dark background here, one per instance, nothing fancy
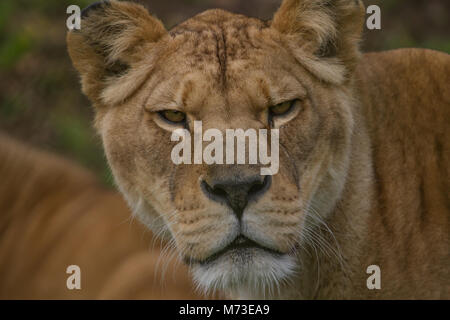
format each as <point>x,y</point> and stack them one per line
<point>40,97</point>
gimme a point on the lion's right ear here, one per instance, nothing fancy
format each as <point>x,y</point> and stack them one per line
<point>114,49</point>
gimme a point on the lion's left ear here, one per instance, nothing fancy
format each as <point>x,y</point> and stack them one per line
<point>323,34</point>
<point>114,48</point>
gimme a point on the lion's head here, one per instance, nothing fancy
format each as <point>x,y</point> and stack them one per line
<point>236,228</point>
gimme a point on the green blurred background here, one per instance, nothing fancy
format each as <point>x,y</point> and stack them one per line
<point>40,98</point>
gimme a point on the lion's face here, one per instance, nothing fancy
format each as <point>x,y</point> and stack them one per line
<point>232,225</point>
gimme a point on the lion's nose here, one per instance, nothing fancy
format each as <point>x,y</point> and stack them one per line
<point>238,192</point>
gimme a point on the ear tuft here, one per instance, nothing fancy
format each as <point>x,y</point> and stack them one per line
<point>323,31</point>
<point>95,6</point>
<point>114,38</point>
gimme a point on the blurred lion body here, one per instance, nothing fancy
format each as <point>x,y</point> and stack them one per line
<point>54,214</point>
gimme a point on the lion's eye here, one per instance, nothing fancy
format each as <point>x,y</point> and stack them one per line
<point>173,116</point>
<point>282,108</point>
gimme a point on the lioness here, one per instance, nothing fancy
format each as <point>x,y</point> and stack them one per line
<point>364,147</point>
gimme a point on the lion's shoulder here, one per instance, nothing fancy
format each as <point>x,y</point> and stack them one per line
<point>407,69</point>
<point>405,100</point>
<point>405,90</point>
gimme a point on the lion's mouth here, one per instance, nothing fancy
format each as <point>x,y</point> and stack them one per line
<point>240,245</point>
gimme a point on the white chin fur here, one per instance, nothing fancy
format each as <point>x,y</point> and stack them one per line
<point>251,275</point>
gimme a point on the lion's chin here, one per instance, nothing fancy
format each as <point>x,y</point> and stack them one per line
<point>249,271</point>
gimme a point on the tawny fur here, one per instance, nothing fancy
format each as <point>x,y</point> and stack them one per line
<point>363,174</point>
<point>55,214</point>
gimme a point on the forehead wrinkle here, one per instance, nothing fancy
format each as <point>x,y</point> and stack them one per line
<point>163,94</point>
<point>188,88</point>
<point>264,89</point>
<point>252,98</point>
<point>222,55</point>
<point>210,42</point>
<point>284,84</point>
<point>257,89</point>
<point>224,37</point>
